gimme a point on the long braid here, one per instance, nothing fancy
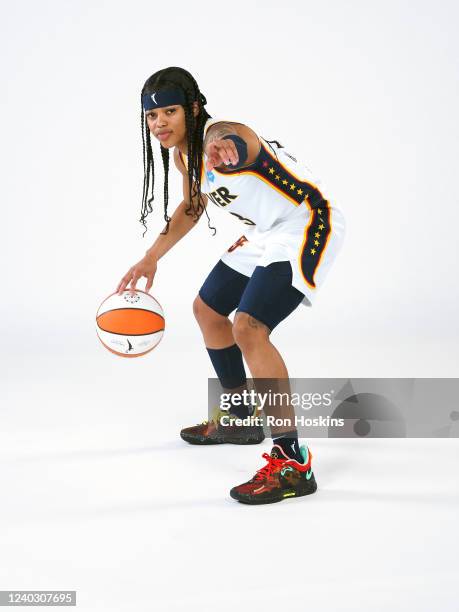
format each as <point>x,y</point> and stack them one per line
<point>146,172</point>
<point>175,76</point>
<point>189,130</point>
<point>165,156</point>
<point>148,169</point>
<point>195,126</point>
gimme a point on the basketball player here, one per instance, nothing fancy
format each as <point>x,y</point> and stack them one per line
<point>290,238</point>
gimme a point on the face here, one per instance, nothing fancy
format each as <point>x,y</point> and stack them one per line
<point>167,124</point>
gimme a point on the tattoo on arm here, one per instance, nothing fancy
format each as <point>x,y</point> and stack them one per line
<point>217,131</point>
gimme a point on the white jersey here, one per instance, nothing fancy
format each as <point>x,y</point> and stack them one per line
<point>285,214</point>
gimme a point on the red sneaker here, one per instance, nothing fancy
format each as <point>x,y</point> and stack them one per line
<point>279,479</point>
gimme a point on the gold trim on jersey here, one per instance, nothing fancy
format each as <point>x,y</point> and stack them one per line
<point>278,176</point>
<point>269,184</point>
<point>316,237</point>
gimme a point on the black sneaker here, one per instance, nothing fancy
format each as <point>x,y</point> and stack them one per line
<point>221,430</point>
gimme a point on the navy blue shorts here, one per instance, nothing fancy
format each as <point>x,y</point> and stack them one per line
<point>267,295</point>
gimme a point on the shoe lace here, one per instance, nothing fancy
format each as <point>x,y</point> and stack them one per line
<point>266,471</point>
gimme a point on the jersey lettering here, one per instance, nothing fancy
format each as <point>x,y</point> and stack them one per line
<point>243,219</point>
<point>221,196</point>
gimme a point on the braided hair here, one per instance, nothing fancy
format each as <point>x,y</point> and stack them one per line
<point>163,79</point>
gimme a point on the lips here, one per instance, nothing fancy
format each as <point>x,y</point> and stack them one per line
<point>164,135</point>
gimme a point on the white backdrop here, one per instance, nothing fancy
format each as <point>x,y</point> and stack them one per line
<point>366,93</point>
<point>370,98</point>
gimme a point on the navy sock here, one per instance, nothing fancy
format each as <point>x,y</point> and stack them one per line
<point>229,367</point>
<point>290,445</point>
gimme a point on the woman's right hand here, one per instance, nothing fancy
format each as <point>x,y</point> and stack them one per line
<point>145,267</point>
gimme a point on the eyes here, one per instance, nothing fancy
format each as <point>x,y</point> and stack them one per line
<point>169,111</point>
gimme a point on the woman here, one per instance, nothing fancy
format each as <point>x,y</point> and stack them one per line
<point>291,237</point>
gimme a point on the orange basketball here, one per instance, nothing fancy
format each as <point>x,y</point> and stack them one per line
<point>130,324</point>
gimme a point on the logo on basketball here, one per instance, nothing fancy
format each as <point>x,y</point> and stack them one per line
<point>132,298</point>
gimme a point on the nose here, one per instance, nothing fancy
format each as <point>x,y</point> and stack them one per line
<point>162,119</point>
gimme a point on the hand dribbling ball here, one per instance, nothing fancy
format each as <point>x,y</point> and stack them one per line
<point>130,324</point>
